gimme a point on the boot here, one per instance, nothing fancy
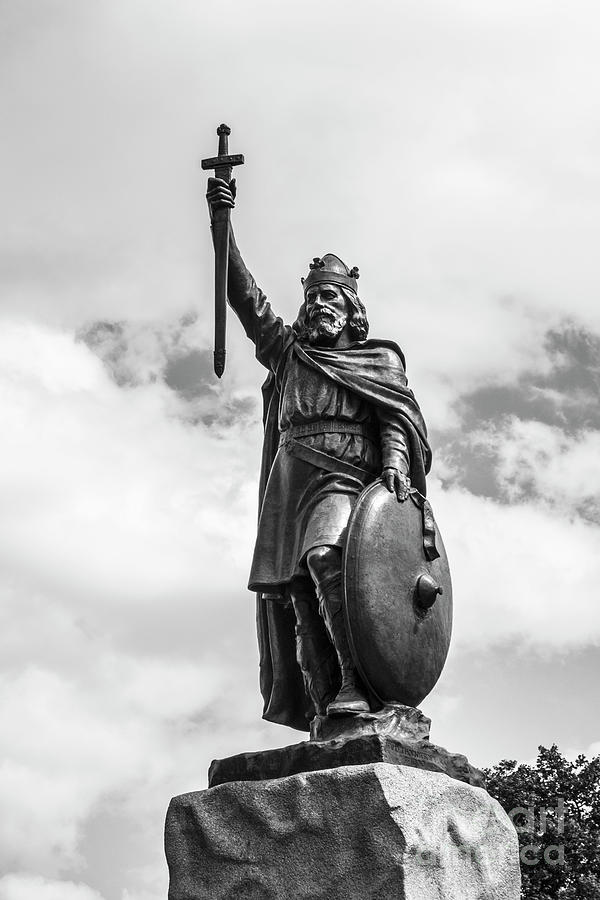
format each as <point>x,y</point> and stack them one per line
<point>314,652</point>
<point>351,697</point>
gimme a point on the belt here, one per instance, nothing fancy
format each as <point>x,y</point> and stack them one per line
<point>317,457</point>
<point>328,426</point>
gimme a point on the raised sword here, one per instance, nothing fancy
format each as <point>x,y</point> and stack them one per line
<point>223,165</point>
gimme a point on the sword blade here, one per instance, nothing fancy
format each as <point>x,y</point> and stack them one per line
<point>223,165</point>
<point>221,242</point>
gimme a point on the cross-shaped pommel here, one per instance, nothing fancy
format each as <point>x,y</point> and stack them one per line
<point>223,163</point>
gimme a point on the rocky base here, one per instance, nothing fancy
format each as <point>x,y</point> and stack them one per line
<point>311,756</point>
<point>349,833</point>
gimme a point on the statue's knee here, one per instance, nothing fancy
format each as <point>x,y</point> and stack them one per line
<point>323,562</point>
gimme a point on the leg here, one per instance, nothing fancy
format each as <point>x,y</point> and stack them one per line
<point>325,567</point>
<point>314,651</point>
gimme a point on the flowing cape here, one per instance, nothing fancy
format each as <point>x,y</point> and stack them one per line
<point>375,371</point>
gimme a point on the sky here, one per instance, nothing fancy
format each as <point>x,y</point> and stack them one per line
<point>452,152</point>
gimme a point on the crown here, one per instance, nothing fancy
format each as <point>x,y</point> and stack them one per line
<point>331,270</point>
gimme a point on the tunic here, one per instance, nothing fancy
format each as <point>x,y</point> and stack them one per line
<point>305,506</point>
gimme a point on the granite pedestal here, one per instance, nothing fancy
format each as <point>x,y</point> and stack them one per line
<point>372,831</point>
<point>375,811</point>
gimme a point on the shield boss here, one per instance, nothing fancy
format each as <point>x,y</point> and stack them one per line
<point>398,622</point>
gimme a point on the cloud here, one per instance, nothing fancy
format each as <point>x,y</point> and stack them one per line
<point>32,887</point>
<point>523,574</point>
<point>518,486</point>
<point>532,434</point>
<point>99,477</point>
<point>450,152</point>
<point>113,728</point>
<point>124,540</point>
<point>520,460</point>
<point>172,353</point>
<point>537,459</point>
<point>122,637</point>
<point>474,207</point>
<point>562,389</point>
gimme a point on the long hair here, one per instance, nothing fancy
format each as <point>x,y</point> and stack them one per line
<point>358,324</point>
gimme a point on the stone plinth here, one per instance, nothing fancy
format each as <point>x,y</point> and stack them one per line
<point>310,756</point>
<point>355,832</point>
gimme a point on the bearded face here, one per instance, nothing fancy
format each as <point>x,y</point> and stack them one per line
<point>326,314</point>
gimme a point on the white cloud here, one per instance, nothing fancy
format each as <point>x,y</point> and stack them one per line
<point>75,740</point>
<point>532,460</point>
<point>124,541</point>
<point>560,467</point>
<point>522,573</point>
<point>32,887</point>
<point>106,492</point>
<point>458,348</point>
<point>126,536</point>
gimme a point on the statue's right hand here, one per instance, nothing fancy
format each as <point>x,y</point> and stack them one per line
<point>220,195</point>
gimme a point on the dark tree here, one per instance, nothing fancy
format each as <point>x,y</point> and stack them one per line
<point>555,807</point>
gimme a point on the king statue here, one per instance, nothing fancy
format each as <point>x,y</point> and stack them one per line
<point>338,417</point>
<point>354,618</point>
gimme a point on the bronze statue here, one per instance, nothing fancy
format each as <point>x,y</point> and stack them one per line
<point>338,417</point>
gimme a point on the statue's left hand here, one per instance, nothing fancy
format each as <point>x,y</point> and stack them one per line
<point>396,482</point>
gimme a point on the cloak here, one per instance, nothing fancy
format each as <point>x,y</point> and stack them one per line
<point>374,370</point>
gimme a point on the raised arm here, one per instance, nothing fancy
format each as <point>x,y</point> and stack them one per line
<point>266,330</point>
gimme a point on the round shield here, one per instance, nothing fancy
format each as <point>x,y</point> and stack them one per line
<point>398,595</point>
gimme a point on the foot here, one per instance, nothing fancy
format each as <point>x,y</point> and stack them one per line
<point>349,701</point>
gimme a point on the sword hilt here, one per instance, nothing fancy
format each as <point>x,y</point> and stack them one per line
<point>223,131</point>
<point>224,162</point>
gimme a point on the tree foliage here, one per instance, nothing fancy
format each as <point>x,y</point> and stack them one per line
<point>555,807</point>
